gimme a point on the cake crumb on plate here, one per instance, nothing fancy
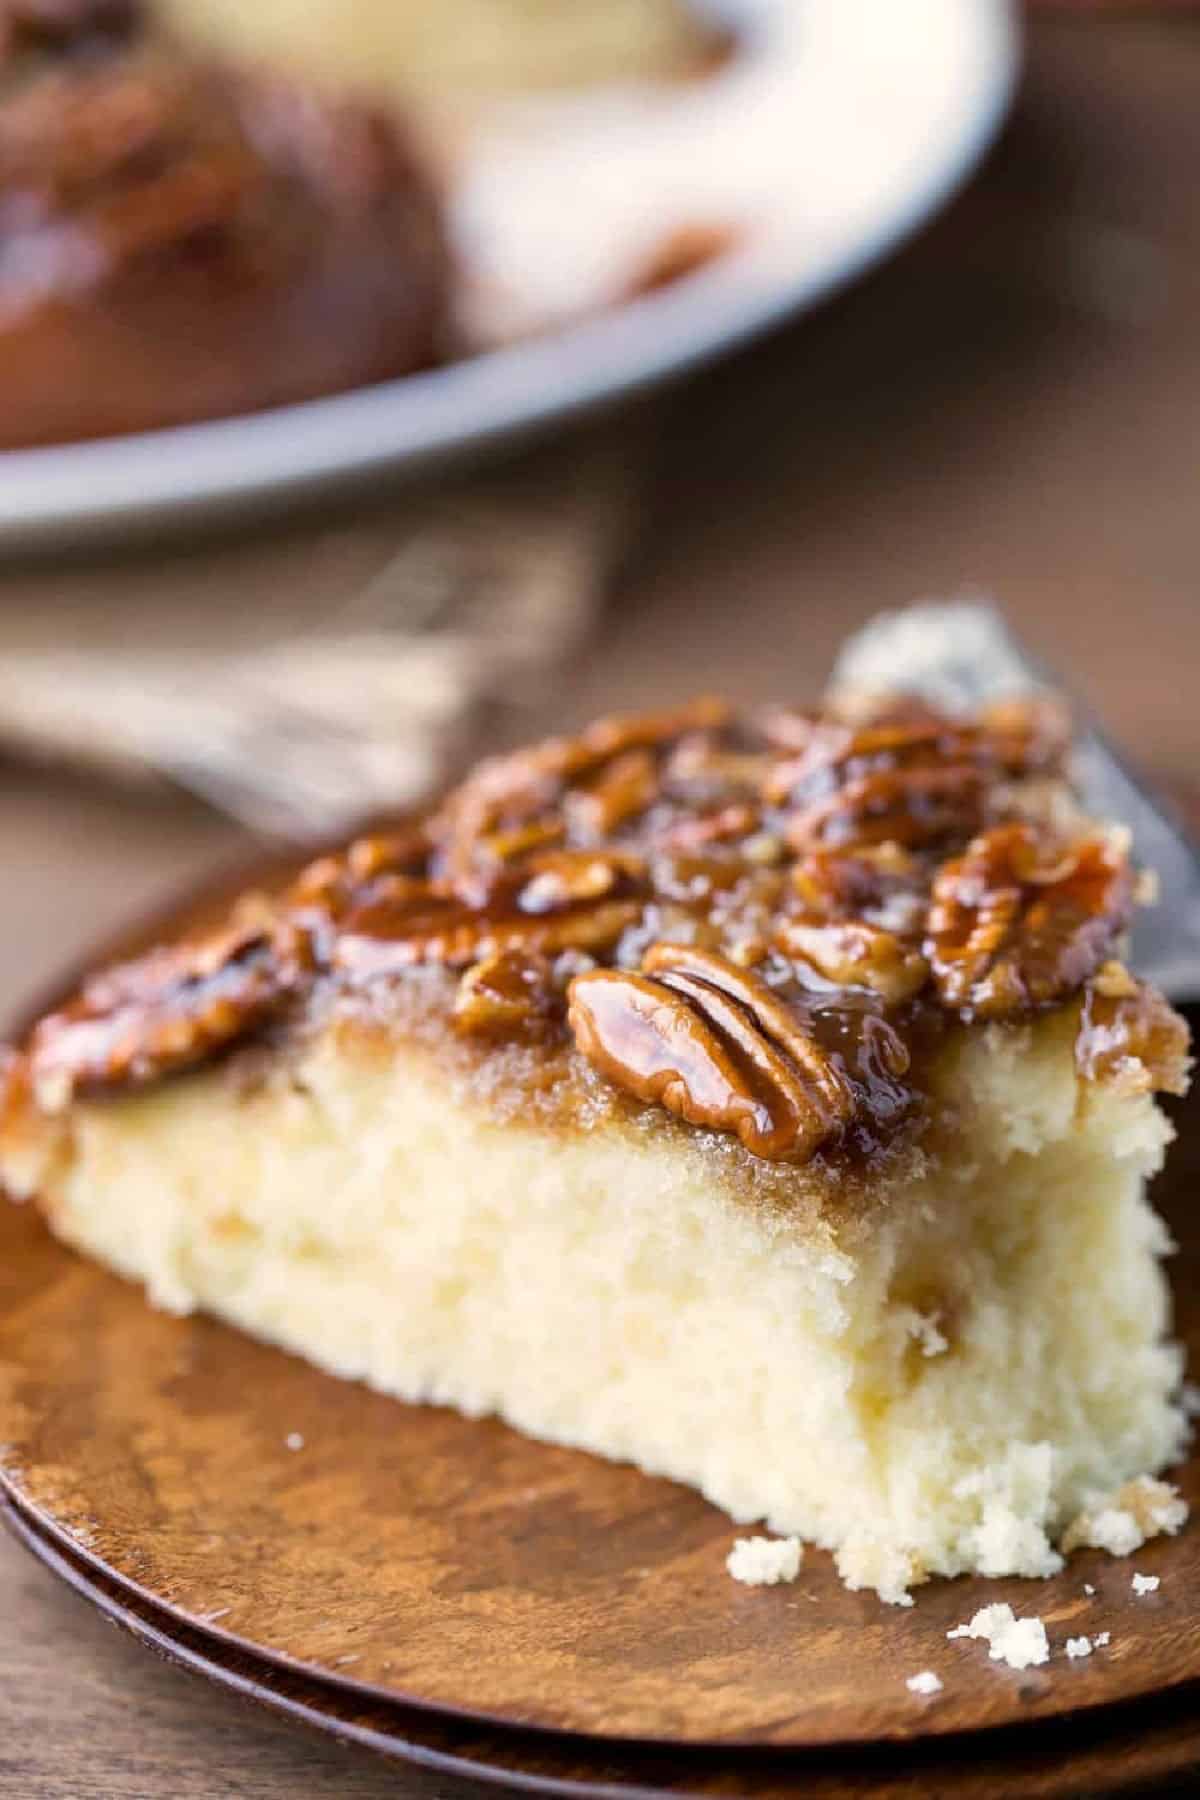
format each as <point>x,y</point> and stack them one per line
<point>1079,1646</point>
<point>925,1682</point>
<point>294,1440</point>
<point>762,1561</point>
<point>1021,1643</point>
<point>1145,1584</point>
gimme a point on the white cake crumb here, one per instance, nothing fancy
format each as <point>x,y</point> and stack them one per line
<point>1080,1646</point>
<point>1013,1500</point>
<point>1145,1584</point>
<point>926,1682</point>
<point>1102,1638</point>
<point>761,1561</point>
<point>1021,1643</point>
<point>865,1562</point>
<point>1088,1589</point>
<point>1122,1522</point>
<point>294,1440</point>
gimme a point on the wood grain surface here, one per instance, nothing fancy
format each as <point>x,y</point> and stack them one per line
<point>1009,406</point>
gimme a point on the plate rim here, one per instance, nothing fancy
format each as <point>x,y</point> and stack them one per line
<point>185,1646</point>
<point>190,474</point>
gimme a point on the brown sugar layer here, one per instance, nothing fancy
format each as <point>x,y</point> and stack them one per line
<point>183,238</point>
<point>772,929</point>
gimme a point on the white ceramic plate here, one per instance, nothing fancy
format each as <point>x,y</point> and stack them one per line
<point>841,126</point>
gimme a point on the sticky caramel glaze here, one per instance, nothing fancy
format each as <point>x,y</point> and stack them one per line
<point>182,239</point>
<point>764,931</point>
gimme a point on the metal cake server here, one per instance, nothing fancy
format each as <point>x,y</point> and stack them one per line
<point>961,655</point>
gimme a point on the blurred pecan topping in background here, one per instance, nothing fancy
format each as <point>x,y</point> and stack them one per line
<point>765,927</point>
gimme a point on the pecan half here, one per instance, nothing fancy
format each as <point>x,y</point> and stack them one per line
<point>704,771</point>
<point>565,877</point>
<point>166,1011</point>
<point>907,775</point>
<point>388,853</point>
<point>853,954</point>
<point>713,1044</point>
<point>1130,1037</point>
<point>508,792</point>
<point>729,824</point>
<point>631,731</point>
<point>622,790</point>
<point>880,883</point>
<point>912,807</point>
<point>1018,923</point>
<point>508,994</point>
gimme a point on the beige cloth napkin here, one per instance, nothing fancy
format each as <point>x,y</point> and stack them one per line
<point>303,679</point>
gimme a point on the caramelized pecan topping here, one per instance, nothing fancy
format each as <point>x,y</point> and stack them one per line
<point>621,790</point>
<point>909,776</point>
<point>1130,1038</point>
<point>388,853</point>
<point>714,1045</point>
<point>565,877</point>
<point>728,824</point>
<point>1017,924</point>
<point>854,954</point>
<point>882,884</point>
<point>896,806</point>
<point>511,993</point>
<point>765,929</point>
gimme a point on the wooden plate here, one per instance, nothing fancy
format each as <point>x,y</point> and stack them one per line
<point>1124,1750</point>
<point>409,1555</point>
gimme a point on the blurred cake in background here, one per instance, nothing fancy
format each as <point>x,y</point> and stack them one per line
<point>208,208</point>
<point>183,237</point>
<point>448,47</point>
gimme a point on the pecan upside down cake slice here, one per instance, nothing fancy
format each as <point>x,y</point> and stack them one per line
<point>763,1101</point>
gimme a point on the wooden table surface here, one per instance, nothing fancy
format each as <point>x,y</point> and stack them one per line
<point>1012,407</point>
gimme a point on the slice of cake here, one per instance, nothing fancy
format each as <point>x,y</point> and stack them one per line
<point>765,1102</point>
